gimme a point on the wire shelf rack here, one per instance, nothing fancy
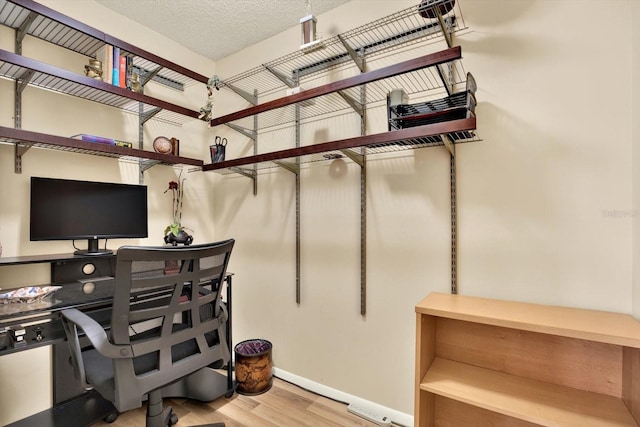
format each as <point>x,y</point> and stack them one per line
<point>46,24</point>
<point>35,73</point>
<point>28,139</point>
<point>405,28</point>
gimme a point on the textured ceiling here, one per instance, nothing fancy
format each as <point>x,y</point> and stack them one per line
<point>218,28</point>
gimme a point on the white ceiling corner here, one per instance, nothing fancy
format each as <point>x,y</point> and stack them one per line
<point>218,28</point>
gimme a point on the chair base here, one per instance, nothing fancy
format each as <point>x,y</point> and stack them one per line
<point>159,416</point>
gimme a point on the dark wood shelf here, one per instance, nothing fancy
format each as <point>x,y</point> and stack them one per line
<point>458,131</point>
<point>36,73</point>
<point>61,30</point>
<point>401,68</point>
<point>29,138</point>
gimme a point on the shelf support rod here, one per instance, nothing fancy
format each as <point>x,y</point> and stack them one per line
<point>363,200</point>
<point>358,60</point>
<point>251,99</point>
<point>251,134</point>
<point>284,79</point>
<point>255,147</point>
<point>296,79</point>
<point>451,147</point>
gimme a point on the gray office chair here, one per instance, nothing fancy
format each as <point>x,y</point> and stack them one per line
<point>167,326</point>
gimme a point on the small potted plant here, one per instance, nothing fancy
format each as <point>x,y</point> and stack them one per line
<point>175,233</point>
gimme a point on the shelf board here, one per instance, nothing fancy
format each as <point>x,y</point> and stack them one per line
<point>18,67</point>
<point>530,400</point>
<point>416,137</point>
<point>29,138</point>
<point>402,68</point>
<point>599,326</point>
<point>61,30</point>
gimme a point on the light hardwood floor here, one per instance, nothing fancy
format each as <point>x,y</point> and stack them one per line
<point>284,405</point>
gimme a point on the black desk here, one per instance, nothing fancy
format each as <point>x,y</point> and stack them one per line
<point>72,405</point>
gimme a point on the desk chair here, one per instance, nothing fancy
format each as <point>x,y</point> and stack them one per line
<point>167,324</point>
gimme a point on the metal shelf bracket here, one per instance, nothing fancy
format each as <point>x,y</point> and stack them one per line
<point>291,167</point>
<point>357,106</point>
<point>251,99</point>
<point>358,60</point>
<point>249,133</point>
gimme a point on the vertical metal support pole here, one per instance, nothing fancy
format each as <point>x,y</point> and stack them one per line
<point>297,130</point>
<point>255,147</point>
<point>141,169</point>
<point>454,222</point>
<point>363,202</point>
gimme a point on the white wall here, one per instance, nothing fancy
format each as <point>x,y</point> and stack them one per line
<point>634,16</point>
<point>544,201</point>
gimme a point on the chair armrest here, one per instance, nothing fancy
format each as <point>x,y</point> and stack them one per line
<point>96,334</point>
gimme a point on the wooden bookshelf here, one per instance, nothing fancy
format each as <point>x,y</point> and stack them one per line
<point>519,364</point>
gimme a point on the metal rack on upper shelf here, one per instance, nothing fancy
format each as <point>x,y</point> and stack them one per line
<point>395,35</point>
<point>27,139</point>
<point>29,17</point>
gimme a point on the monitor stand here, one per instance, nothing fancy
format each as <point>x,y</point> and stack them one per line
<point>92,249</point>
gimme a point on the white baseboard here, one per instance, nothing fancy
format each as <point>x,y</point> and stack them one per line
<point>398,418</point>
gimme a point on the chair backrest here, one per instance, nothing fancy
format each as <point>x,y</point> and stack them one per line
<point>167,307</point>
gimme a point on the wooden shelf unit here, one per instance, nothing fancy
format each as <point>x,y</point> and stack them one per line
<point>490,362</point>
<point>26,139</point>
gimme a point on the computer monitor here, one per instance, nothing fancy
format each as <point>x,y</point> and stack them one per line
<point>63,209</point>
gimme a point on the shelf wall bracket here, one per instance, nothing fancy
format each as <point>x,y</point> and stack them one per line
<point>359,159</point>
<point>249,133</point>
<point>145,117</point>
<point>448,143</point>
<point>445,71</point>
<point>147,164</point>
<point>446,26</point>
<point>291,167</point>
<point>357,59</point>
<point>22,31</point>
<point>249,173</point>
<point>149,76</point>
<point>357,106</point>
<point>19,150</point>
<point>284,79</point>
<point>251,99</point>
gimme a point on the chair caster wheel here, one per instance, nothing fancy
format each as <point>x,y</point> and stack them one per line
<point>110,418</point>
<point>173,420</point>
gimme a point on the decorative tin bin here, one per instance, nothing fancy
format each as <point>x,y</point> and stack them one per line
<point>253,366</point>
